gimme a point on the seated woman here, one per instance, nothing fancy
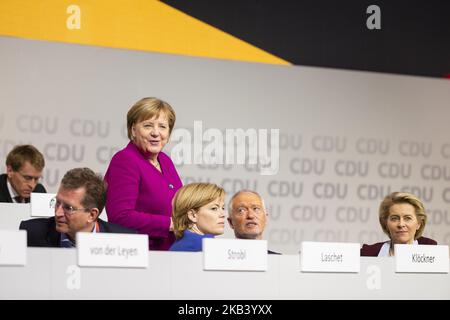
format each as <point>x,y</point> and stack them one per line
<point>402,217</point>
<point>198,212</point>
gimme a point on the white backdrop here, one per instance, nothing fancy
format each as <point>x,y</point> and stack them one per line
<point>346,138</point>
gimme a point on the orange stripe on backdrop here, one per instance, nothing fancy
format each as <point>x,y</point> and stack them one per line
<point>147,25</point>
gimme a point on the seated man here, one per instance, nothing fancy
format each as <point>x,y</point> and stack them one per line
<point>247,215</point>
<point>80,200</point>
<point>24,165</point>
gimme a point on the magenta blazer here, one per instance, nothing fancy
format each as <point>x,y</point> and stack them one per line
<point>139,197</point>
<point>373,249</point>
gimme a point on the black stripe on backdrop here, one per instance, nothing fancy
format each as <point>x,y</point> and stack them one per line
<point>414,38</point>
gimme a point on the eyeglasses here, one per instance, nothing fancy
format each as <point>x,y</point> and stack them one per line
<point>28,178</point>
<point>68,210</point>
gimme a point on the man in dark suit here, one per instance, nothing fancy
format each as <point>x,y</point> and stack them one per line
<point>247,215</point>
<point>80,199</point>
<point>24,165</point>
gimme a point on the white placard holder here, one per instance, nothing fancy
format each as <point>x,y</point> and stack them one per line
<point>234,254</point>
<point>421,258</point>
<point>13,247</point>
<point>42,204</point>
<point>112,250</point>
<point>329,257</point>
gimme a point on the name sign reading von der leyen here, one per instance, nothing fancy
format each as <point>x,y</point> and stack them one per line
<point>42,204</point>
<point>329,257</point>
<point>13,248</point>
<point>234,254</point>
<point>112,250</point>
<point>421,258</point>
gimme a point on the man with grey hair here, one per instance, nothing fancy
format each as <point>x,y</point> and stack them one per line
<point>247,215</point>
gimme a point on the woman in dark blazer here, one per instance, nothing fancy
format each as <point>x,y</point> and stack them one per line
<point>402,217</point>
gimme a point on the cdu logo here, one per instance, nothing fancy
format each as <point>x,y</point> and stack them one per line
<point>52,203</point>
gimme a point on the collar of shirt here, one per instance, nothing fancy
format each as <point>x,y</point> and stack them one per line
<point>12,192</point>
<point>384,251</point>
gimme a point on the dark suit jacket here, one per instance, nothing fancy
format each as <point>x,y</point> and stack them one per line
<point>4,192</point>
<point>41,232</point>
<point>373,249</point>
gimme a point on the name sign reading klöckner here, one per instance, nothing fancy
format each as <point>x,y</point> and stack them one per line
<point>13,247</point>
<point>112,250</point>
<point>329,257</point>
<point>234,254</point>
<point>42,204</point>
<point>421,258</point>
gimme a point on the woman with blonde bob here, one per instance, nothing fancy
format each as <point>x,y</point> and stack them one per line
<point>402,217</point>
<point>198,212</point>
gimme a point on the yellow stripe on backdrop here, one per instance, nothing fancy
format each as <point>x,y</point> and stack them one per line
<point>147,25</point>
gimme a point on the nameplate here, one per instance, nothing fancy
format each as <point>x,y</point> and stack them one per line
<point>112,250</point>
<point>234,254</point>
<point>421,258</point>
<point>42,204</point>
<point>329,257</point>
<point>13,248</point>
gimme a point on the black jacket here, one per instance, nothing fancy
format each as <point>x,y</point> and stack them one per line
<point>4,192</point>
<point>41,232</point>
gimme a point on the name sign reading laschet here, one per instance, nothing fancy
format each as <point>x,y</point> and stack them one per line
<point>234,254</point>
<point>13,248</point>
<point>42,204</point>
<point>421,258</point>
<point>329,257</point>
<point>112,250</point>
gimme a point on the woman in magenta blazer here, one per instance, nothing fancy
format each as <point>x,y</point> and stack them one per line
<point>142,180</point>
<point>403,218</point>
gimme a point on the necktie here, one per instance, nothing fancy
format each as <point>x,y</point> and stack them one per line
<point>19,199</point>
<point>66,243</point>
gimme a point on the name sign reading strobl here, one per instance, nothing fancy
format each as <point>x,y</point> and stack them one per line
<point>42,204</point>
<point>112,250</point>
<point>329,257</point>
<point>13,247</point>
<point>234,254</point>
<point>421,258</point>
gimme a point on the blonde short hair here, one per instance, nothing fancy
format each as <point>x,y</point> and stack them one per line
<point>192,196</point>
<point>148,108</point>
<point>402,197</point>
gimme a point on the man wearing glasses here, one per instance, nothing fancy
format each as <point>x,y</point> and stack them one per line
<point>80,199</point>
<point>24,165</point>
